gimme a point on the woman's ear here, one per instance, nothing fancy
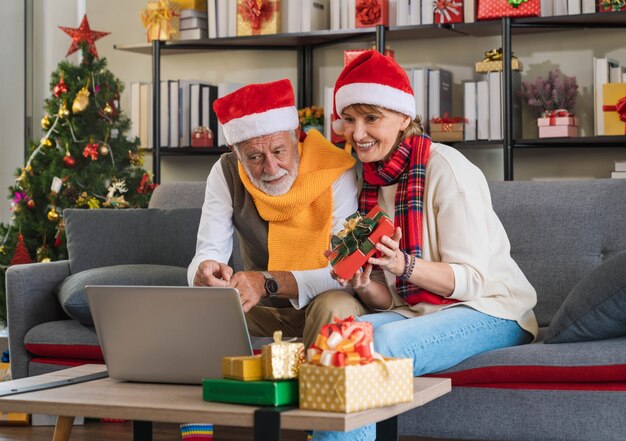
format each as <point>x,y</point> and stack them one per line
<point>406,120</point>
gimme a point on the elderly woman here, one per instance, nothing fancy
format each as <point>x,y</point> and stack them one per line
<point>444,284</point>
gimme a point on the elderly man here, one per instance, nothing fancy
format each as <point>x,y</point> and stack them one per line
<point>284,198</point>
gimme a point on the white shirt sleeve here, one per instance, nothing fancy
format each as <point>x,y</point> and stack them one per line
<point>215,233</point>
<point>313,282</point>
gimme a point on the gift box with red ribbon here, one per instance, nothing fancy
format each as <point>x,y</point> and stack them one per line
<point>351,54</point>
<point>202,137</point>
<point>448,11</point>
<point>611,5</point>
<point>614,108</point>
<point>258,17</point>
<point>356,243</point>
<point>490,9</point>
<point>557,123</point>
<point>371,13</point>
<point>343,373</point>
<point>447,128</point>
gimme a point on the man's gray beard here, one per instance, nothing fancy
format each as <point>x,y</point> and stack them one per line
<point>276,189</point>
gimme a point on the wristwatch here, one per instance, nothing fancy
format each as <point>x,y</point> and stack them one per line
<point>271,285</point>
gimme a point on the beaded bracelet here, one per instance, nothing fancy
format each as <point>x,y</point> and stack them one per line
<point>409,265</point>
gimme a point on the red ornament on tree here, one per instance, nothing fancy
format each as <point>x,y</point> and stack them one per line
<point>69,161</point>
<point>60,88</point>
<point>83,33</point>
<point>91,150</point>
<point>21,254</point>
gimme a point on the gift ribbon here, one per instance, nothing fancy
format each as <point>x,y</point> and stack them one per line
<point>354,236</point>
<point>443,8</point>
<point>368,12</point>
<point>516,3</point>
<point>620,108</point>
<point>554,114</point>
<point>613,5</point>
<point>496,55</point>
<point>255,12</point>
<point>158,13</point>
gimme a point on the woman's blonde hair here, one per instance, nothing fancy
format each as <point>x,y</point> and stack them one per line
<point>414,128</point>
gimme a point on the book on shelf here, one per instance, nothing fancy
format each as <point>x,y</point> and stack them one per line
<point>620,166</point>
<point>588,6</point>
<point>193,23</point>
<point>482,110</point>
<point>192,13</point>
<point>314,15</point>
<point>190,109</point>
<point>419,80</point>
<point>415,12</point>
<point>402,12</point>
<point>574,7</point>
<point>560,7</point>
<point>232,19</point>
<point>546,8</point>
<point>193,34</point>
<point>208,118</point>
<point>344,13</point>
<point>134,109</point>
<point>495,105</point>
<point>164,116</point>
<point>439,93</point>
<point>222,17</point>
<point>212,18</point>
<point>601,74</point>
<point>174,113</point>
<point>293,15</point>
<point>469,110</point>
<point>618,175</point>
<point>428,12</point>
<point>335,14</point>
<point>145,115</point>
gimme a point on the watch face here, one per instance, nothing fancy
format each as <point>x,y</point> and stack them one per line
<point>271,286</point>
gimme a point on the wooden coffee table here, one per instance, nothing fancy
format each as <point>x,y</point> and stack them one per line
<point>145,402</point>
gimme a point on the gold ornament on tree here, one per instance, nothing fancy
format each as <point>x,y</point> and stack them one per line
<point>43,254</point>
<point>107,109</point>
<point>63,111</point>
<point>53,216</point>
<point>82,100</point>
<point>104,150</point>
<point>46,142</point>
<point>45,122</point>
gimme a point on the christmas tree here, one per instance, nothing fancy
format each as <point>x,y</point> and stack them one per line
<point>84,160</point>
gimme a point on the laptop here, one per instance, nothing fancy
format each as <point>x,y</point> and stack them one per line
<point>166,334</point>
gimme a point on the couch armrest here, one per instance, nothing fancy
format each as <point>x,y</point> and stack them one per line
<point>31,301</point>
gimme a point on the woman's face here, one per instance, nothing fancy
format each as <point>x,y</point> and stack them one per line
<point>373,130</point>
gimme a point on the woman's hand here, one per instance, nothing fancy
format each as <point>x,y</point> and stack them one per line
<point>391,256</point>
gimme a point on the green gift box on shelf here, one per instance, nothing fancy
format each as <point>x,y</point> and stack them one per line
<point>260,393</point>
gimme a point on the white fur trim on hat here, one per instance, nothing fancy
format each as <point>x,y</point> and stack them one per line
<point>377,95</point>
<point>260,124</point>
<point>339,126</point>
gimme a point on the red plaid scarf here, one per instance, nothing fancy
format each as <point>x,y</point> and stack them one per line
<point>406,167</point>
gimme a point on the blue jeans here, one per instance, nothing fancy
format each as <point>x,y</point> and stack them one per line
<point>436,342</point>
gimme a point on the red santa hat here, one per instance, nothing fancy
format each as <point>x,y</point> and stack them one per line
<point>375,79</point>
<point>257,110</point>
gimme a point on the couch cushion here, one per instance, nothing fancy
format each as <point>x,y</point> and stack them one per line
<point>98,238</point>
<point>63,339</point>
<point>595,309</point>
<point>71,292</point>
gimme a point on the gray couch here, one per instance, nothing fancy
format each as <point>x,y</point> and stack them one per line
<point>566,237</point>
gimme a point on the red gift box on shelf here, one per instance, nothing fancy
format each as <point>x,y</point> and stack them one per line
<point>611,5</point>
<point>558,123</point>
<point>202,137</point>
<point>448,11</point>
<point>351,54</point>
<point>490,9</point>
<point>353,245</point>
<point>371,13</point>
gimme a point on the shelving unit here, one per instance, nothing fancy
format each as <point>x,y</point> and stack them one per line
<point>306,43</point>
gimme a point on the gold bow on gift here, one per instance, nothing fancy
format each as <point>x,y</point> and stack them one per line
<point>355,232</point>
<point>157,19</point>
<point>496,55</point>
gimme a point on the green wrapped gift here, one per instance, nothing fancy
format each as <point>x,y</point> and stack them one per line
<point>260,393</point>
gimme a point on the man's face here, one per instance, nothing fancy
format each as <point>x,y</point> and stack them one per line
<point>271,161</point>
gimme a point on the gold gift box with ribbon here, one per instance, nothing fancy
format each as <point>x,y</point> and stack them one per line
<point>281,359</point>
<point>493,62</point>
<point>161,18</point>
<point>614,108</point>
<point>258,17</point>
<point>246,368</point>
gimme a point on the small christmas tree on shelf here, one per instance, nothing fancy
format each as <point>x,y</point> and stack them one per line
<point>84,160</point>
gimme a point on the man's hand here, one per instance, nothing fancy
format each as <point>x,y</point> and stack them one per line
<point>213,273</point>
<point>251,286</point>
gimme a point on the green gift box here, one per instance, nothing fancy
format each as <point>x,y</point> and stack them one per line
<point>260,393</point>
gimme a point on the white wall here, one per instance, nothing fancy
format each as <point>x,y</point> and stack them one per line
<point>12,109</point>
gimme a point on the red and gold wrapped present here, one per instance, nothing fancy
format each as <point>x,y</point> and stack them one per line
<point>353,245</point>
<point>161,18</point>
<point>447,128</point>
<point>246,368</point>
<point>558,124</point>
<point>490,9</point>
<point>281,359</point>
<point>371,13</point>
<point>614,108</point>
<point>448,11</point>
<point>258,17</point>
<point>611,5</point>
<point>493,62</point>
<point>11,418</point>
<point>198,5</point>
<point>202,137</point>
<point>351,54</point>
<point>344,374</point>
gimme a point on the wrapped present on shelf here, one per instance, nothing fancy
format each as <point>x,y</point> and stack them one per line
<point>447,128</point>
<point>490,9</point>
<point>611,5</point>
<point>344,374</point>
<point>371,13</point>
<point>246,368</point>
<point>493,62</point>
<point>202,137</point>
<point>11,418</point>
<point>557,124</point>
<point>258,17</point>
<point>281,359</point>
<point>351,54</point>
<point>353,245</point>
<point>161,18</point>
<point>614,108</point>
<point>198,5</point>
<point>260,393</point>
<point>448,11</point>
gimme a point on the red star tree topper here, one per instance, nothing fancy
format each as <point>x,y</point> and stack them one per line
<point>83,33</point>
